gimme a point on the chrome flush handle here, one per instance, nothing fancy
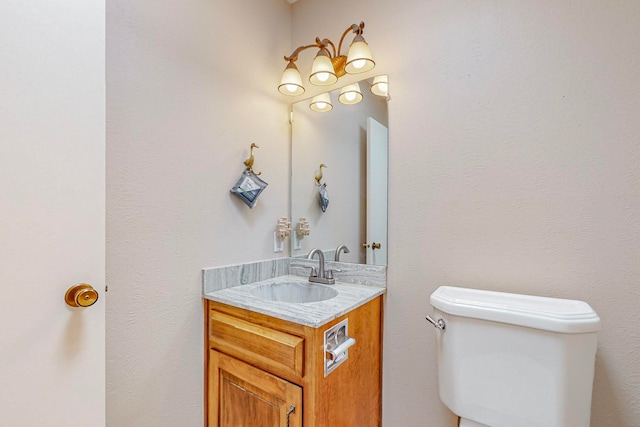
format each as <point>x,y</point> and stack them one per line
<point>438,324</point>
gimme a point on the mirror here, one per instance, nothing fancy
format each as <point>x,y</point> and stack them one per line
<point>352,141</point>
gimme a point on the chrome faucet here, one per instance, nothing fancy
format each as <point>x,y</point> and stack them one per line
<point>341,248</point>
<point>321,277</point>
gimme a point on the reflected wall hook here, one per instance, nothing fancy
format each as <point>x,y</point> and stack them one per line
<point>249,162</point>
<point>319,175</point>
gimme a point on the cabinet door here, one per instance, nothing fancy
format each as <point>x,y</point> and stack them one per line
<point>244,396</point>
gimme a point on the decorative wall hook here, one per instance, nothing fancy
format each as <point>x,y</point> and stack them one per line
<point>283,229</point>
<point>319,175</point>
<point>249,186</point>
<point>249,162</point>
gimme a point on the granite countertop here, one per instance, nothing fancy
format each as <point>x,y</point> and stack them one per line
<point>314,314</point>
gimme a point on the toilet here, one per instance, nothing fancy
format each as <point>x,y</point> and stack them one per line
<point>510,360</point>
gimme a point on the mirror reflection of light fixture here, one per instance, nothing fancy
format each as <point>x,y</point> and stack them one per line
<point>329,64</point>
<point>321,103</point>
<point>350,94</point>
<point>380,86</point>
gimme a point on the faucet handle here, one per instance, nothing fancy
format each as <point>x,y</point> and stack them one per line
<point>330,272</point>
<point>313,272</point>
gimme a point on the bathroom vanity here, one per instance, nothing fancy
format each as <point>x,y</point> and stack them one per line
<point>293,364</point>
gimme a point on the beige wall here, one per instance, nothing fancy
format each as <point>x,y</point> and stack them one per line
<point>513,166</point>
<point>190,87</point>
<point>514,153</point>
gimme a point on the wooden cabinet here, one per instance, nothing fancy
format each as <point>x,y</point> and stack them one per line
<point>259,367</point>
<point>247,394</point>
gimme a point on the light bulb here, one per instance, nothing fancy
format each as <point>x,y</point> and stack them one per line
<point>291,88</point>
<point>359,63</point>
<point>321,103</point>
<point>350,94</point>
<point>322,77</point>
<point>380,86</point>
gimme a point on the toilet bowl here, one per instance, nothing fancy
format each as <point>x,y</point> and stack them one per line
<point>510,360</point>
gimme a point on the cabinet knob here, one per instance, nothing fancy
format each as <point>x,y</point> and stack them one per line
<point>82,295</point>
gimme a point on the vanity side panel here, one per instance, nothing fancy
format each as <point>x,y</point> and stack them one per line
<point>351,395</point>
<point>207,396</point>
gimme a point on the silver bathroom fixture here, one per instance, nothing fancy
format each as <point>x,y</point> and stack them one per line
<point>438,324</point>
<point>341,248</point>
<point>336,346</point>
<point>322,276</point>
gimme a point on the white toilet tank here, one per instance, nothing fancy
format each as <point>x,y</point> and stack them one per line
<point>509,360</point>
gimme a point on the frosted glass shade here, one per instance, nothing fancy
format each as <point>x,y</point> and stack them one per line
<point>322,72</point>
<point>350,94</point>
<point>380,86</point>
<point>321,103</point>
<point>359,59</point>
<point>291,82</point>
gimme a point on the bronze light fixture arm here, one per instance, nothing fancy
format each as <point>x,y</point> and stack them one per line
<point>329,64</point>
<point>294,56</point>
<point>356,29</point>
<point>322,44</point>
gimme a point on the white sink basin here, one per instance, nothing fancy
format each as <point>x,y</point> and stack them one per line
<point>294,292</point>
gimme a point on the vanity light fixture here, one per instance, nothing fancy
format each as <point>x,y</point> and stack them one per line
<point>329,63</point>
<point>321,103</point>
<point>380,86</point>
<point>350,94</point>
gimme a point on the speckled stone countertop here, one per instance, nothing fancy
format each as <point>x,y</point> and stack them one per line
<point>314,314</point>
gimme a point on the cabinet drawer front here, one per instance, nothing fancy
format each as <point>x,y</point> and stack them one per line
<point>275,351</point>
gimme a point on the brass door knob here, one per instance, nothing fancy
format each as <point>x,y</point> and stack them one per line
<point>373,246</point>
<point>82,295</point>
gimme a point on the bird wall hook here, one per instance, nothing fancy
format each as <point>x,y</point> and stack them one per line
<point>319,175</point>
<point>249,162</point>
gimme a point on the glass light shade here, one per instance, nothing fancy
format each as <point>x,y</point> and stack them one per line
<point>350,94</point>
<point>359,59</point>
<point>380,86</point>
<point>322,72</point>
<point>291,83</point>
<point>321,103</point>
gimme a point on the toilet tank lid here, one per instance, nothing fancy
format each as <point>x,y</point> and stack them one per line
<point>550,314</point>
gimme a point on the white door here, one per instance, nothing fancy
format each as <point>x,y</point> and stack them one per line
<point>377,166</point>
<point>52,212</point>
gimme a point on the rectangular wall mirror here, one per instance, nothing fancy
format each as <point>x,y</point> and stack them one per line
<point>352,141</point>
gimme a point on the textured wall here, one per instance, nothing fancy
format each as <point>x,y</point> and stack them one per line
<point>514,153</point>
<point>514,146</point>
<point>190,85</point>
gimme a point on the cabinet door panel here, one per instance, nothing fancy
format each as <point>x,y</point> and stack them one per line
<point>242,395</point>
